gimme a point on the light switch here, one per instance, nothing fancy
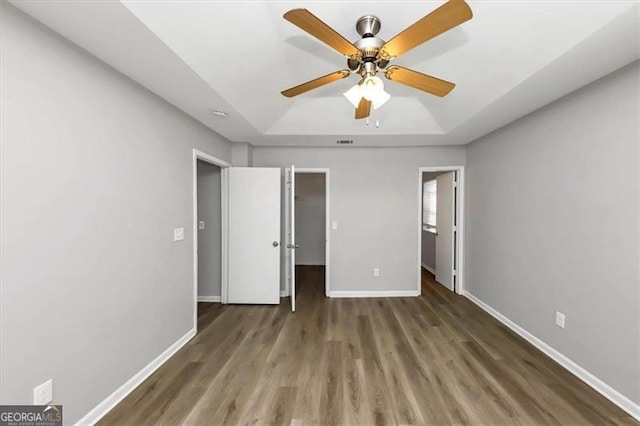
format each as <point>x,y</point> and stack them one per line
<point>178,234</point>
<point>560,319</point>
<point>334,224</point>
<point>201,224</point>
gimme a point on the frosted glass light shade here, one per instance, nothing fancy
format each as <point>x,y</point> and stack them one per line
<point>354,95</point>
<point>372,89</point>
<point>380,98</point>
<point>371,86</point>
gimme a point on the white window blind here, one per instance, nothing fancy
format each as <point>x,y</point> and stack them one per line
<point>429,206</point>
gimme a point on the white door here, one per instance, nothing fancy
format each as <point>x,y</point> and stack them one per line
<point>291,234</point>
<point>445,212</point>
<point>254,235</point>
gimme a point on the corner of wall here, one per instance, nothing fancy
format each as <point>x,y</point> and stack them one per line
<point>241,154</point>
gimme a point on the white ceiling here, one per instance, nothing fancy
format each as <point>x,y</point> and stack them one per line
<point>510,59</point>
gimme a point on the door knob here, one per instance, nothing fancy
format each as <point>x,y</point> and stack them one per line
<point>276,243</point>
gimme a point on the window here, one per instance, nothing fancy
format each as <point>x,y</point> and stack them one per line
<point>429,190</point>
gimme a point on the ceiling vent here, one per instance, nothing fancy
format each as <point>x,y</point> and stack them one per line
<point>344,141</point>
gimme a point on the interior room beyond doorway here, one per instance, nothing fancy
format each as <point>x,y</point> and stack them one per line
<point>310,224</point>
<point>209,232</point>
<point>438,220</point>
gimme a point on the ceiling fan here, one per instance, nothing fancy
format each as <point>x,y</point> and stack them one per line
<point>370,54</point>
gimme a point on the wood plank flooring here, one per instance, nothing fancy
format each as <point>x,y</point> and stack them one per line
<point>437,359</point>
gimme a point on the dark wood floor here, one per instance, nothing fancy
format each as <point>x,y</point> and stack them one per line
<point>437,359</point>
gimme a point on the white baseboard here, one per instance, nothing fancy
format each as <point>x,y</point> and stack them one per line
<point>428,268</point>
<point>99,411</point>
<point>284,293</point>
<point>208,298</point>
<point>379,293</point>
<point>310,263</point>
<point>607,391</point>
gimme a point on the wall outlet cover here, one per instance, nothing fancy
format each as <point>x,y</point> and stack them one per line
<point>376,272</point>
<point>178,234</point>
<point>43,394</point>
<point>201,224</point>
<point>334,224</point>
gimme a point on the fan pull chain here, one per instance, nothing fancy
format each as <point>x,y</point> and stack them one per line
<point>366,123</point>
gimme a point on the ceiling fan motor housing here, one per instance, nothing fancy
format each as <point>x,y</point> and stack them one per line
<point>367,26</point>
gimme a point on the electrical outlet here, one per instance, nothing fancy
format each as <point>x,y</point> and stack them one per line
<point>201,224</point>
<point>334,224</point>
<point>560,319</point>
<point>43,394</point>
<point>178,234</point>
<point>376,272</point>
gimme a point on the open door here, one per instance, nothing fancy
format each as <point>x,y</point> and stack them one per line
<point>291,234</point>
<point>444,224</point>
<point>253,235</point>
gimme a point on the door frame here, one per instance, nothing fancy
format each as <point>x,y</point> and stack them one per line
<point>459,212</point>
<point>327,226</point>
<point>224,197</point>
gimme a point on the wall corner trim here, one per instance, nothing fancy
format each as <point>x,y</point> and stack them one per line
<point>428,268</point>
<point>208,298</point>
<point>598,385</point>
<point>100,410</point>
<point>375,293</point>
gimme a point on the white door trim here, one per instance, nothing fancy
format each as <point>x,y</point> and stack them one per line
<point>327,218</point>
<point>224,194</point>
<point>459,225</point>
<point>291,235</point>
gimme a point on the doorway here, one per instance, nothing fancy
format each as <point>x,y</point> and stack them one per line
<point>441,225</point>
<point>309,262</point>
<point>310,230</point>
<point>209,230</point>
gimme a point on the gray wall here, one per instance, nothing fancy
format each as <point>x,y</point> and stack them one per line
<point>209,238</point>
<point>552,224</point>
<point>310,218</point>
<point>96,172</point>
<point>375,199</point>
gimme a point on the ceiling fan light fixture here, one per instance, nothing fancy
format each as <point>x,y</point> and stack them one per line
<point>354,95</point>
<point>380,99</point>
<point>373,90</point>
<point>371,87</point>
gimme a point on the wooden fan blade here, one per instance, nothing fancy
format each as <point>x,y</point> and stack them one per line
<point>449,15</point>
<point>320,81</point>
<point>419,81</point>
<point>364,109</point>
<point>308,22</point>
